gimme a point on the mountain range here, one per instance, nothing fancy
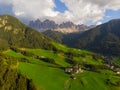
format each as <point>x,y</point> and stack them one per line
<point>103,38</point>
<point>29,60</point>
<point>65,27</point>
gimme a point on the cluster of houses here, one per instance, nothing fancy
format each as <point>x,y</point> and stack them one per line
<point>109,62</point>
<point>73,70</point>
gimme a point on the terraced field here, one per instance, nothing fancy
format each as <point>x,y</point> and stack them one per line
<point>49,75</point>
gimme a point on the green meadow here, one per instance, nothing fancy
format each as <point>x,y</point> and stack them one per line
<point>50,76</point>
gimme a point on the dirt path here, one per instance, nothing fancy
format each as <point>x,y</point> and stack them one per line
<point>67,84</point>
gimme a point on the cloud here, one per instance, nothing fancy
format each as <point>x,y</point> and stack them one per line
<point>98,23</point>
<point>32,8</point>
<point>90,10</point>
<point>79,11</point>
<point>107,16</point>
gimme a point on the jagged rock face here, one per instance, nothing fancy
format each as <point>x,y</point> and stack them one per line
<point>42,26</point>
<point>3,21</point>
<point>6,23</point>
<point>65,27</point>
<point>66,30</point>
<point>8,27</point>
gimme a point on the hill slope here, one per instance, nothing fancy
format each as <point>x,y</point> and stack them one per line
<point>10,78</point>
<point>103,39</point>
<point>47,69</point>
<point>14,33</point>
<point>63,38</point>
<point>23,67</point>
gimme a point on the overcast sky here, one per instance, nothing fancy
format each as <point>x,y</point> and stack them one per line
<point>77,11</point>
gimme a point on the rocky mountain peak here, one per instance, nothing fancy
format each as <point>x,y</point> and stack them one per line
<point>65,27</point>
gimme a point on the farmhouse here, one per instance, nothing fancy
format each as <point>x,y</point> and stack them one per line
<point>68,69</point>
<point>73,70</point>
<point>118,72</point>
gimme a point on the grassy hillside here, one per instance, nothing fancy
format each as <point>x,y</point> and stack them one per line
<point>10,77</point>
<point>46,69</point>
<point>31,61</point>
<point>14,33</point>
<point>104,38</point>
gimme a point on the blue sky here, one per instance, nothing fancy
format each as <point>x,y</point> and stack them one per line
<point>6,9</point>
<point>109,14</point>
<point>60,6</point>
<point>77,11</point>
